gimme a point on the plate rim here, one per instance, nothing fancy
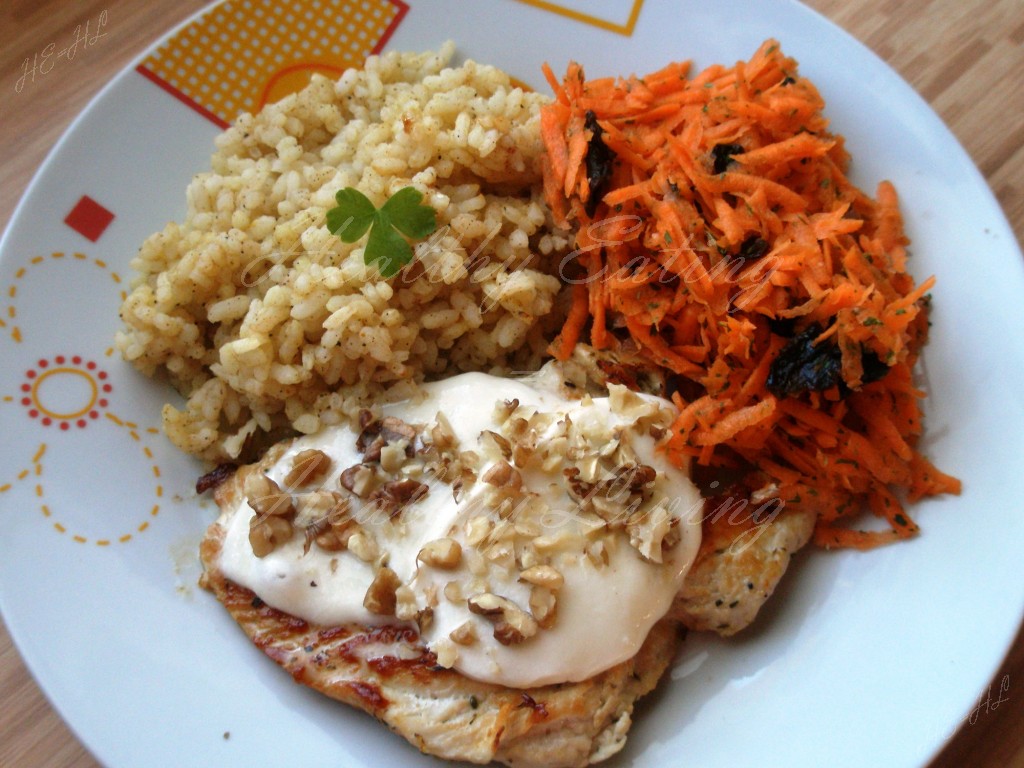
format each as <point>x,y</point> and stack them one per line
<point>109,89</point>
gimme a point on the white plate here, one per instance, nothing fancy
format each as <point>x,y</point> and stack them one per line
<point>865,659</point>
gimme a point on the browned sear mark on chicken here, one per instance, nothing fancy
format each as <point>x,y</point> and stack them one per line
<point>369,693</point>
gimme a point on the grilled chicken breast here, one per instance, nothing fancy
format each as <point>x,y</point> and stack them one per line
<point>386,672</point>
<point>390,673</point>
<point>737,569</point>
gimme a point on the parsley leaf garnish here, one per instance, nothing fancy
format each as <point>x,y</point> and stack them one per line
<point>401,214</point>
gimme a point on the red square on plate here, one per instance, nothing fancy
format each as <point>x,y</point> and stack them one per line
<point>88,218</point>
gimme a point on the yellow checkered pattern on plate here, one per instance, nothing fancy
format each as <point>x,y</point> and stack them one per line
<point>243,54</point>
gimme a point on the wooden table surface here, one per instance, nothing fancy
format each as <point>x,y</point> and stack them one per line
<point>964,56</point>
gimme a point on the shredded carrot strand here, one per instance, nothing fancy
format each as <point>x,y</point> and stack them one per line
<point>726,215</point>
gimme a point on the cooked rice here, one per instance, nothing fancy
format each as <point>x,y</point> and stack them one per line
<point>266,321</point>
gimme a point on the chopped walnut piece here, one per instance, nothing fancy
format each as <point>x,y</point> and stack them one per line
<point>405,604</point>
<point>503,409</point>
<point>618,495</point>
<point>475,562</point>
<point>315,505</point>
<point>543,606</point>
<point>381,596</point>
<point>503,475</point>
<point>503,446</point>
<point>597,553</point>
<point>332,531</point>
<point>502,553</point>
<point>358,479</point>
<point>382,432</point>
<point>521,454</point>
<point>515,627</point>
<point>524,440</point>
<point>424,618</point>
<point>460,478</point>
<point>477,529</point>
<point>464,634</point>
<point>341,512</point>
<point>512,625</point>
<point>640,477</point>
<point>447,652</point>
<point>315,530</point>
<point>528,557</point>
<point>430,595</point>
<point>441,553</point>
<point>631,405</point>
<point>307,467</point>
<point>588,467</point>
<point>550,543</point>
<point>543,576</point>
<point>442,436</point>
<point>268,533</point>
<point>395,495</point>
<point>266,498</point>
<point>393,456</point>
<point>673,537</point>
<point>648,531</point>
<point>453,592</point>
<point>518,429</point>
<point>488,604</point>
<point>362,546</point>
<point>528,528</point>
<point>365,418</point>
<point>552,453</point>
<point>610,447</point>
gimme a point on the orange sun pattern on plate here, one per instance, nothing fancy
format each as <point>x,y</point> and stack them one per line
<point>63,405</point>
<point>243,54</point>
<point>68,393</point>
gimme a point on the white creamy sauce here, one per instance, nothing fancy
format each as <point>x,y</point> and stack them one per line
<point>603,612</point>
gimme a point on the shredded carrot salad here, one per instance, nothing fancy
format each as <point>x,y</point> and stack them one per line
<point>719,237</point>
